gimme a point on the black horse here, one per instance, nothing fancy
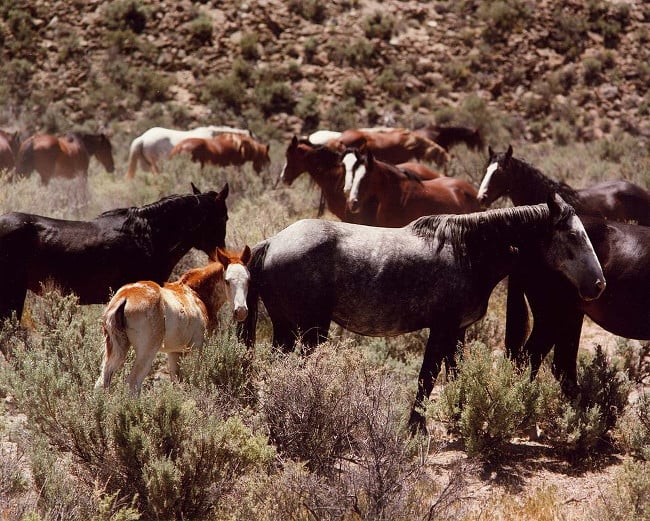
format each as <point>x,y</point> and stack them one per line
<point>525,184</point>
<point>93,258</point>
<point>558,311</point>
<point>437,272</point>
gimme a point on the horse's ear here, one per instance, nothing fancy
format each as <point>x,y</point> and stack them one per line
<point>246,255</point>
<point>224,193</point>
<point>195,190</point>
<point>509,153</point>
<point>370,160</point>
<point>222,257</point>
<point>490,151</point>
<point>294,141</point>
<point>558,208</point>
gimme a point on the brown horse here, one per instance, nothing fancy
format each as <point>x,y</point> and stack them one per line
<point>525,184</point>
<point>393,145</point>
<point>9,144</point>
<point>449,136</point>
<point>66,156</point>
<point>173,317</point>
<point>402,198</point>
<point>225,149</point>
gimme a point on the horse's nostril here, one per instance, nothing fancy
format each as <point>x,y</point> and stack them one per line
<point>601,284</point>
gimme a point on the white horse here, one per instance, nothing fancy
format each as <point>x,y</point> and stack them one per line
<point>157,142</point>
<point>323,137</point>
<point>172,318</point>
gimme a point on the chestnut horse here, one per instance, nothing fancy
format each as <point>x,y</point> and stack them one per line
<point>393,145</point>
<point>449,136</point>
<point>400,197</point>
<point>66,156</point>
<point>93,258</point>
<point>225,149</point>
<point>438,273</point>
<point>172,318</point>
<point>525,184</point>
<point>326,168</point>
<point>9,145</point>
<point>156,143</point>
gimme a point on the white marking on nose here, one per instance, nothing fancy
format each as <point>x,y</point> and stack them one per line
<point>482,191</point>
<point>349,161</point>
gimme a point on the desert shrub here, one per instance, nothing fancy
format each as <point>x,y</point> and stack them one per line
<point>354,88</point>
<point>248,46</point>
<point>308,109</point>
<point>379,25</point>
<point>342,114</point>
<point>389,82</point>
<point>568,33</point>
<point>633,358</point>
<point>17,74</point>
<point>584,423</point>
<point>562,134</point>
<point>274,96</point>
<point>633,431</point>
<point>502,18</point>
<point>151,86</point>
<point>229,90</point>
<point>488,403</point>
<point>360,52</point>
<point>629,498</point>
<point>200,29</point>
<point>592,70</point>
<point>312,10</point>
<point>128,15</point>
<point>309,49</point>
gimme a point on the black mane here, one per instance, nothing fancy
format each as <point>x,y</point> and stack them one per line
<point>536,184</point>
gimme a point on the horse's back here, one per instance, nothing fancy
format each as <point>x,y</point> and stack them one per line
<point>619,199</point>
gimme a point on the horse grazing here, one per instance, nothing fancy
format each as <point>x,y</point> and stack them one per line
<point>156,143</point>
<point>171,318</point>
<point>449,136</point>
<point>623,309</point>
<point>9,145</point>
<point>91,258</point>
<point>525,184</point>
<point>66,156</point>
<point>393,145</point>
<point>437,272</point>
<point>400,196</point>
<point>225,149</point>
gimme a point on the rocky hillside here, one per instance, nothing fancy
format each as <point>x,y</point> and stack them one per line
<point>539,69</point>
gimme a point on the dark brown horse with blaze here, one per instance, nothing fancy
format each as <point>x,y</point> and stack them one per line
<point>224,150</point>
<point>66,156</point>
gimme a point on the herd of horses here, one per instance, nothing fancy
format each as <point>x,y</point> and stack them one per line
<point>414,249</point>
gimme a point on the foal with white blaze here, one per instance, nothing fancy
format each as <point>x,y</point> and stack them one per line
<point>172,318</point>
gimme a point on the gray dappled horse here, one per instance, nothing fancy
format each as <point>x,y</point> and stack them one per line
<point>437,272</point>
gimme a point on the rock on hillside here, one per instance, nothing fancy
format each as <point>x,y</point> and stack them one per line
<point>545,67</point>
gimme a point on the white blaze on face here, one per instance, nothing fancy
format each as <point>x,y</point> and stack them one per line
<point>349,160</point>
<point>284,168</point>
<point>237,278</point>
<point>482,191</point>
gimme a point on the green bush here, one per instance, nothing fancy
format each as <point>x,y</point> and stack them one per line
<point>634,428</point>
<point>229,90</point>
<point>312,10</point>
<point>379,25</point>
<point>308,109</point>
<point>128,15</point>
<point>629,498</point>
<point>502,18</point>
<point>151,86</point>
<point>200,29</point>
<point>488,403</point>
<point>248,46</point>
<point>274,96</point>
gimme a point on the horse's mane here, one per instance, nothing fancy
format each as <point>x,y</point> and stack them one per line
<point>472,234</point>
<point>409,174</point>
<point>542,185</point>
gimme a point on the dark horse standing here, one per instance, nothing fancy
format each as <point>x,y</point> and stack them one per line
<point>623,309</point>
<point>67,156</point>
<point>9,144</point>
<point>525,184</point>
<point>92,258</point>
<point>437,272</point>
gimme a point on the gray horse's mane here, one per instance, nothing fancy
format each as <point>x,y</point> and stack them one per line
<point>471,233</point>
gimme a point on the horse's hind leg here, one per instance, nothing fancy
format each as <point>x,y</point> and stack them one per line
<point>116,348</point>
<point>146,349</point>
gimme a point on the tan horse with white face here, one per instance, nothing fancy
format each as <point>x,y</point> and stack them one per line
<point>172,318</point>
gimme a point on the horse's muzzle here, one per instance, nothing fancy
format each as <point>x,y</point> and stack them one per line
<point>240,313</point>
<point>595,291</point>
<point>353,205</point>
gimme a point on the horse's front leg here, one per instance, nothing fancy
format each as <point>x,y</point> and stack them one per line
<point>440,345</point>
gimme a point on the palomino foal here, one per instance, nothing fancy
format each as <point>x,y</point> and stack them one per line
<point>171,318</point>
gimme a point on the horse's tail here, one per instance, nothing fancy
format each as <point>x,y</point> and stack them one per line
<point>247,330</point>
<point>517,322</point>
<point>25,158</point>
<point>116,341</point>
<point>135,153</point>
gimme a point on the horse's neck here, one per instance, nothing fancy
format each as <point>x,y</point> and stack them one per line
<point>207,284</point>
<point>530,186</point>
<point>328,179</point>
